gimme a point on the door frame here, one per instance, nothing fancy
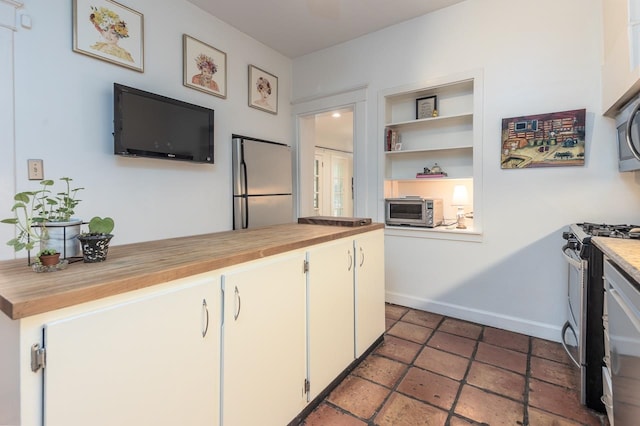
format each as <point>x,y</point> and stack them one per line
<point>354,98</point>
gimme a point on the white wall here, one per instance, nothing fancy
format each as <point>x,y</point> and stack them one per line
<point>537,58</point>
<point>64,113</point>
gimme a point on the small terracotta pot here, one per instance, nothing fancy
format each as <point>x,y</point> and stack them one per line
<point>50,259</point>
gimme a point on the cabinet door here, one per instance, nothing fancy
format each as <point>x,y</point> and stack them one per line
<point>152,361</point>
<point>369,282</point>
<point>264,342</point>
<point>330,313</point>
<point>620,70</point>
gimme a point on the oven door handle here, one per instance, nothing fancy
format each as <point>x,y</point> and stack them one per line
<point>566,326</point>
<point>570,260</point>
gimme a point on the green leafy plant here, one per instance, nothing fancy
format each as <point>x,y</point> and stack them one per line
<point>32,209</point>
<point>100,226</point>
<point>47,252</point>
<point>60,207</point>
<point>28,218</point>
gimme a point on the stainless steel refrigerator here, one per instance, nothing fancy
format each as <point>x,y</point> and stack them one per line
<point>262,183</point>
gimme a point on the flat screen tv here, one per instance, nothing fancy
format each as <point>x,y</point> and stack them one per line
<point>150,125</point>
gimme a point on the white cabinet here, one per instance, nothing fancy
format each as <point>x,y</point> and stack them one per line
<point>369,289</point>
<point>452,140</point>
<point>263,363</point>
<point>621,66</point>
<point>153,360</point>
<point>330,312</point>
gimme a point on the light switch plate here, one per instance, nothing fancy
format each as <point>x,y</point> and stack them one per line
<point>36,172</point>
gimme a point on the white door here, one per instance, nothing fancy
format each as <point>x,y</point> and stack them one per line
<point>330,313</point>
<point>369,281</point>
<point>152,361</point>
<point>264,342</point>
<point>333,183</point>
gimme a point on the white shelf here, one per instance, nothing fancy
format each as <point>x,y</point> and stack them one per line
<point>427,150</point>
<point>439,232</point>
<point>415,180</point>
<point>426,121</point>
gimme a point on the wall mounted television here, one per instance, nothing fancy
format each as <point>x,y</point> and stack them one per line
<point>150,125</point>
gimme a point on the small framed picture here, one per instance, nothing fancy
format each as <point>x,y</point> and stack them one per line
<point>204,67</point>
<point>106,30</point>
<point>426,106</point>
<point>263,90</point>
<point>397,146</point>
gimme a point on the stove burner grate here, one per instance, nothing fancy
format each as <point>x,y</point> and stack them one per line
<point>615,231</point>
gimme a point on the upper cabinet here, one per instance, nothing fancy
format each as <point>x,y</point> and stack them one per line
<point>432,127</point>
<point>621,67</point>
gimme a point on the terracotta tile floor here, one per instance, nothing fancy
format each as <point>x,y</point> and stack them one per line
<point>435,370</point>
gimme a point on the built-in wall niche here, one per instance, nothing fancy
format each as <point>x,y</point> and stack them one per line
<point>413,141</point>
<point>442,188</point>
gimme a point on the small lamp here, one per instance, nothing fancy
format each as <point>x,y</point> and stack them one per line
<point>460,199</point>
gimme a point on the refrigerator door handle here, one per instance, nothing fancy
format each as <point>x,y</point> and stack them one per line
<point>244,205</point>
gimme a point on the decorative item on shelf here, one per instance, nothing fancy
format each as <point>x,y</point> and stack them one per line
<point>425,107</point>
<point>434,113</point>
<point>95,243</point>
<point>459,200</point>
<point>45,218</point>
<point>434,172</point>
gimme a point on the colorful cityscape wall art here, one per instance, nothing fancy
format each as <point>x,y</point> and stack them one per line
<point>544,140</point>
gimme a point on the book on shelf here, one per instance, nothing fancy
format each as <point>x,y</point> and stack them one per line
<point>430,175</point>
<point>391,138</point>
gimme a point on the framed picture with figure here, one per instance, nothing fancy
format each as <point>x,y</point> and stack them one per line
<point>204,67</point>
<point>263,90</point>
<point>110,31</point>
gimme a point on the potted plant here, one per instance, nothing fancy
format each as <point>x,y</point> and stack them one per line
<point>60,227</point>
<point>48,257</point>
<point>46,218</point>
<point>95,243</point>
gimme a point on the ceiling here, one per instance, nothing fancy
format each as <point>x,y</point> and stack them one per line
<point>298,27</point>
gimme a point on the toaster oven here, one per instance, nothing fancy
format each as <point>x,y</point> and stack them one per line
<point>414,211</point>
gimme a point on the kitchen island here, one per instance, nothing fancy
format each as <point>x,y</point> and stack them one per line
<point>135,266</point>
<point>191,330</point>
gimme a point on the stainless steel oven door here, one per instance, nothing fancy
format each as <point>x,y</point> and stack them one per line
<point>573,338</point>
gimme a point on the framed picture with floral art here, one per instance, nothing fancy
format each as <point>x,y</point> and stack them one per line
<point>204,67</point>
<point>263,90</point>
<point>110,31</point>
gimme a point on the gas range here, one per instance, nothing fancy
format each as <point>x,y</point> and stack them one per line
<point>580,234</point>
<point>605,230</point>
<point>583,334</point>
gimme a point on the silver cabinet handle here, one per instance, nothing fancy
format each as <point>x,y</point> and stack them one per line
<point>205,317</point>
<point>238,304</point>
<point>361,257</point>
<point>350,259</point>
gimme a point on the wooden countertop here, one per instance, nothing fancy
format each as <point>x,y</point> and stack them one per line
<point>624,252</point>
<point>24,292</point>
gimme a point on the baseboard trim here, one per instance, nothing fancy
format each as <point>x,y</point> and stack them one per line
<point>492,319</point>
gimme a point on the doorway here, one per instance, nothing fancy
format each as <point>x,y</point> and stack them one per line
<point>328,136</point>
<point>317,128</point>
